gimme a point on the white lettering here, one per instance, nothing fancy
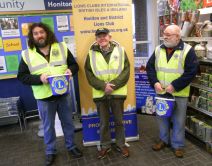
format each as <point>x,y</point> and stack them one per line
<point>59,4</point>
<point>12,4</point>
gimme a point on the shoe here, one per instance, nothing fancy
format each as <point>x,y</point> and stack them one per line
<point>179,153</point>
<point>75,153</point>
<point>124,151</point>
<point>50,159</point>
<point>102,153</point>
<point>158,146</point>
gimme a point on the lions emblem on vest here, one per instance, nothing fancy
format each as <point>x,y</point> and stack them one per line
<point>176,56</point>
<point>55,52</point>
<point>116,57</point>
<point>60,85</point>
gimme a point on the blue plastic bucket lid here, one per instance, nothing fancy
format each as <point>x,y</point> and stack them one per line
<point>59,84</point>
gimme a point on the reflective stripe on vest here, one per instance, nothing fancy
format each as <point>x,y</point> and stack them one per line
<point>111,71</point>
<point>38,67</point>
<point>108,71</point>
<point>180,68</point>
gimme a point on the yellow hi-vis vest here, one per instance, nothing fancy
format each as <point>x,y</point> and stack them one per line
<point>108,71</point>
<point>38,65</point>
<point>171,70</point>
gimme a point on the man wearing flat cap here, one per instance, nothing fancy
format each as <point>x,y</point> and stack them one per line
<point>107,70</point>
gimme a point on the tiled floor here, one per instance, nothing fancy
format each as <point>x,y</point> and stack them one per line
<point>27,149</point>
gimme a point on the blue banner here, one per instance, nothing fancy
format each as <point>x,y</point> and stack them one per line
<point>91,127</point>
<point>58,4</point>
<point>144,94</point>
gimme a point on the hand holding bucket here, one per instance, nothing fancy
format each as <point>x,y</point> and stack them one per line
<point>68,71</point>
<point>44,78</point>
<point>59,84</point>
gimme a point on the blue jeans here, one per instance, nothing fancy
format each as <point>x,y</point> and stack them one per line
<point>48,111</point>
<point>177,137</point>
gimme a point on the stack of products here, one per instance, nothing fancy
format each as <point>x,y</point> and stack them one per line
<point>205,96</point>
<point>9,108</point>
<point>200,128</point>
<point>205,100</point>
<point>206,79</point>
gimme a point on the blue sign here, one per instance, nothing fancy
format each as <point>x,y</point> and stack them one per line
<point>145,94</point>
<point>58,4</point>
<point>91,127</point>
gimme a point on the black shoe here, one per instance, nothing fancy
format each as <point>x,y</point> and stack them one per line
<point>75,153</point>
<point>50,159</point>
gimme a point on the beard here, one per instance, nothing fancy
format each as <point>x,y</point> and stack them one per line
<point>170,44</point>
<point>41,43</point>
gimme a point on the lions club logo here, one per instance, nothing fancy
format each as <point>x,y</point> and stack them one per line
<point>116,57</point>
<point>60,85</point>
<point>161,107</point>
<point>55,52</point>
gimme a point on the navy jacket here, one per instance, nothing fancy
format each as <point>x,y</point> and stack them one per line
<point>190,68</point>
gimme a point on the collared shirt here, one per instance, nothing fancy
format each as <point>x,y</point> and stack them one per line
<point>190,68</point>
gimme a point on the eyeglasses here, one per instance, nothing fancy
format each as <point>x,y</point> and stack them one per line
<point>168,34</point>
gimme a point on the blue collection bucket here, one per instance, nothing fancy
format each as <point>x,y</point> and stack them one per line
<point>164,106</point>
<point>59,84</point>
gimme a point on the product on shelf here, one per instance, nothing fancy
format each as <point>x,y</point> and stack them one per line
<point>209,95</point>
<point>210,105</point>
<point>201,129</point>
<point>200,50</point>
<point>203,103</point>
<point>209,147</point>
<point>204,83</point>
<point>209,51</point>
<point>207,29</point>
<point>203,93</point>
<point>205,76</point>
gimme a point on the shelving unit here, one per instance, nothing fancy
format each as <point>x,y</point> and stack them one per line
<point>201,87</point>
<point>195,39</point>
<point>198,130</point>
<point>200,110</point>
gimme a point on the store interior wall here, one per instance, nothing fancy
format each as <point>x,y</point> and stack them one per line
<point>146,27</point>
<point>141,27</point>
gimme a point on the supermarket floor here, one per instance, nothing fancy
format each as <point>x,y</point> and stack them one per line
<point>27,149</point>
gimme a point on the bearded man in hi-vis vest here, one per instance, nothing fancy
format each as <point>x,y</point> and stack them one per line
<point>107,70</point>
<point>170,70</point>
<point>45,57</point>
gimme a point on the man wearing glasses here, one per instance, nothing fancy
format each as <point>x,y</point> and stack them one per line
<point>170,69</point>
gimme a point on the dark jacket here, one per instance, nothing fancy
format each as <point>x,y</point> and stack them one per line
<point>27,78</point>
<point>98,84</point>
<point>190,68</point>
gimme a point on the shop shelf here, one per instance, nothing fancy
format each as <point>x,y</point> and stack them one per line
<point>200,110</point>
<point>205,62</point>
<point>201,87</point>
<point>197,39</point>
<point>205,10</point>
<point>194,39</point>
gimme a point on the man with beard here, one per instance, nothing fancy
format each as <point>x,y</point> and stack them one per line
<point>44,57</point>
<point>170,70</point>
